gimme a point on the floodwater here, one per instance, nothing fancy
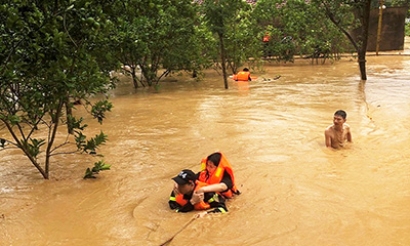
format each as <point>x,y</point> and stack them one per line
<point>294,190</point>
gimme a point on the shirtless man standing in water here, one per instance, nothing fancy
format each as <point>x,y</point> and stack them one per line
<point>339,132</point>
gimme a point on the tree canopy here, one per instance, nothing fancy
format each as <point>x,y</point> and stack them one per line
<point>48,61</point>
<point>153,35</point>
<point>55,54</point>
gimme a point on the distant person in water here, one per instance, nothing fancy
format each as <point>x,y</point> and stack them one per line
<point>338,133</point>
<point>244,75</point>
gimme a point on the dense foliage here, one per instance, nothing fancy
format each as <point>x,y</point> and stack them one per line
<point>56,53</point>
<point>230,21</point>
<point>295,29</point>
<point>48,60</point>
<point>348,16</point>
<point>152,36</point>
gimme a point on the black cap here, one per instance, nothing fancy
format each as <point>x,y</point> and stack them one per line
<point>184,177</point>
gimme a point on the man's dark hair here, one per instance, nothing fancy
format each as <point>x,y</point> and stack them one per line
<point>341,113</point>
<point>246,69</point>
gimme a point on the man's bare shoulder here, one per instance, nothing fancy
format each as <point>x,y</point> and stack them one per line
<point>346,126</point>
<point>329,128</point>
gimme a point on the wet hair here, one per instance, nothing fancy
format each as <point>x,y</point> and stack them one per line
<point>246,69</point>
<point>341,113</point>
<point>215,158</point>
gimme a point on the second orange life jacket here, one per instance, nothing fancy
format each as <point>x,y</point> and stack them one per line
<point>217,176</point>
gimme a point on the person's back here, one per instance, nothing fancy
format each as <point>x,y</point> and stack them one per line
<point>244,75</point>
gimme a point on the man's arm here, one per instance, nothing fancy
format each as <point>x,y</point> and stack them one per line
<point>349,135</point>
<point>220,187</point>
<point>224,185</point>
<point>227,180</point>
<point>328,139</point>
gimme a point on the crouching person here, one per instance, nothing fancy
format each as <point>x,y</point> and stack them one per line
<point>184,197</point>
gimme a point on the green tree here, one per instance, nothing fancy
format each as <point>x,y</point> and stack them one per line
<point>220,16</point>
<point>48,61</point>
<point>204,54</point>
<point>297,27</point>
<point>348,15</point>
<point>153,35</point>
<point>242,40</point>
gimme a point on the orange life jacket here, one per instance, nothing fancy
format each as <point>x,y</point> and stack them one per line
<point>199,206</point>
<point>217,176</point>
<point>242,76</point>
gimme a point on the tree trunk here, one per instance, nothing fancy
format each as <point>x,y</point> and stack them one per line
<point>52,136</point>
<point>221,45</point>
<point>362,12</point>
<point>362,64</point>
<point>364,38</point>
<point>69,112</point>
<point>134,77</point>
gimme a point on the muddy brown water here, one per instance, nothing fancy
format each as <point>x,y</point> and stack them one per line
<point>294,190</point>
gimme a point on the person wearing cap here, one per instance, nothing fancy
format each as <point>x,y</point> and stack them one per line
<point>217,172</point>
<point>185,198</point>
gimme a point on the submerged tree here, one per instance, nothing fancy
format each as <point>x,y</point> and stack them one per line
<point>48,61</point>
<point>242,42</point>
<point>154,35</point>
<point>298,27</point>
<point>348,15</point>
<point>220,16</point>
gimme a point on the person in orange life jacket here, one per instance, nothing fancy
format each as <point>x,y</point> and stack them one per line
<point>266,37</point>
<point>266,40</point>
<point>244,75</point>
<point>184,197</point>
<point>218,174</point>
